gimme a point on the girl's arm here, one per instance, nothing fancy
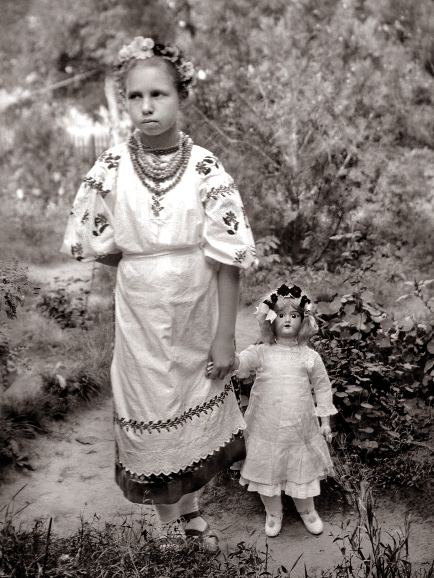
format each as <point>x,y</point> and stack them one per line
<point>112,260</point>
<point>222,351</point>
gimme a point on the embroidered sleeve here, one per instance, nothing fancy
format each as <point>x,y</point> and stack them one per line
<point>89,232</point>
<point>322,387</point>
<point>227,234</point>
<point>251,360</point>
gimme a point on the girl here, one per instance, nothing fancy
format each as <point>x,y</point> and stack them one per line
<point>286,451</point>
<point>165,212</point>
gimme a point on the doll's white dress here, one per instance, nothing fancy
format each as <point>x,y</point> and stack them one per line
<point>169,417</point>
<point>285,450</point>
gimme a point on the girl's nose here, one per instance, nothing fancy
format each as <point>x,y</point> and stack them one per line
<point>147,105</point>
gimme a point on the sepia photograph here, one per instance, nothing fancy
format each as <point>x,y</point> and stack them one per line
<point>216,288</point>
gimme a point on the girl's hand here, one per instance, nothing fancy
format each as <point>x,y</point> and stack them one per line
<point>221,358</point>
<point>326,432</point>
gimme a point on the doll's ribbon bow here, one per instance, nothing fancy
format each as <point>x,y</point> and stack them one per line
<point>264,313</point>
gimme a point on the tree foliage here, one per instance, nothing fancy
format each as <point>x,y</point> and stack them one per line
<point>321,110</point>
<point>312,106</point>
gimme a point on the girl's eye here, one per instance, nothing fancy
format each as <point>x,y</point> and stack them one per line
<point>134,95</point>
<point>281,315</point>
<point>294,315</point>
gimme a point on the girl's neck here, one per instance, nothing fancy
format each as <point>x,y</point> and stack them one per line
<point>288,342</point>
<point>166,140</point>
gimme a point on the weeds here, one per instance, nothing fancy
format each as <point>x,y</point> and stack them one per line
<point>127,549</point>
<point>131,548</point>
<point>367,553</point>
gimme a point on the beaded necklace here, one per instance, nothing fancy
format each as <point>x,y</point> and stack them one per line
<point>159,175</point>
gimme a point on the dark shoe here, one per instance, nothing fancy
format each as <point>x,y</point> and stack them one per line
<point>207,539</point>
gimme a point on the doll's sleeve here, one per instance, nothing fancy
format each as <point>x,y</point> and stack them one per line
<point>251,360</point>
<point>322,387</point>
<point>227,234</point>
<point>89,232</point>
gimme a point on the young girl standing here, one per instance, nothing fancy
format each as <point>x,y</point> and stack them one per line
<point>165,212</point>
<point>286,450</point>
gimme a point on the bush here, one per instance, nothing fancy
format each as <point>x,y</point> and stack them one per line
<point>309,108</point>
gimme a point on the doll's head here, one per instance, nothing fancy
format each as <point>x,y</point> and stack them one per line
<point>278,303</point>
<point>168,56</point>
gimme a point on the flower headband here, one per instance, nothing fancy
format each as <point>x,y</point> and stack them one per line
<point>266,310</point>
<point>141,48</point>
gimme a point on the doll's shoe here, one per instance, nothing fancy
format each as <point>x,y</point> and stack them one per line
<point>313,522</point>
<point>273,524</point>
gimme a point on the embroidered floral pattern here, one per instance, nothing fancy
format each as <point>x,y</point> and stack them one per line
<point>156,205</point>
<point>240,256</point>
<point>231,221</point>
<point>101,223</point>
<point>97,186</point>
<point>77,251</point>
<point>85,217</point>
<point>111,160</point>
<point>222,190</point>
<point>205,166</point>
<point>177,421</point>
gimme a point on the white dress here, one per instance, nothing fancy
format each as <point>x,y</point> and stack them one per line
<point>168,415</point>
<point>285,450</point>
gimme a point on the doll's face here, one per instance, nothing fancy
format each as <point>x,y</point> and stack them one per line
<point>287,323</point>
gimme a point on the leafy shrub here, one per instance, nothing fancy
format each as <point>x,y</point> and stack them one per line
<point>13,285</point>
<point>69,310</point>
<point>376,362</point>
<point>313,96</point>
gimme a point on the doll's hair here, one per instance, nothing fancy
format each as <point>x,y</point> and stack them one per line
<point>143,48</point>
<point>276,302</point>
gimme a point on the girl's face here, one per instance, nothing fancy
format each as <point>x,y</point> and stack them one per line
<point>287,324</point>
<point>153,101</point>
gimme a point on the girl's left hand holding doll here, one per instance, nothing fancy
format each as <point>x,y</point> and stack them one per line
<point>222,351</point>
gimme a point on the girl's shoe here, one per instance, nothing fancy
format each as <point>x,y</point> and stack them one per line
<point>313,522</point>
<point>273,524</point>
<point>207,540</point>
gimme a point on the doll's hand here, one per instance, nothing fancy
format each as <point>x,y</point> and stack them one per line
<point>326,431</point>
<point>220,359</point>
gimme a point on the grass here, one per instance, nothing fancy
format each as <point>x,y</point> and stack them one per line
<point>74,365</point>
<point>131,548</point>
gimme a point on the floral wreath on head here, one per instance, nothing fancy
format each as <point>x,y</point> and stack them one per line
<point>141,48</point>
<point>278,299</point>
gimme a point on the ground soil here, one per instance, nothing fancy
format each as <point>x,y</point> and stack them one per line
<point>73,480</point>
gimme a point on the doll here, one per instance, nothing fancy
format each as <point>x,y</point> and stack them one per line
<point>286,445</point>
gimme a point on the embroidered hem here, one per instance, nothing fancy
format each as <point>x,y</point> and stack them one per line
<point>169,489</point>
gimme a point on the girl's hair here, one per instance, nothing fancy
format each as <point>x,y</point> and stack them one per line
<point>141,49</point>
<point>279,300</point>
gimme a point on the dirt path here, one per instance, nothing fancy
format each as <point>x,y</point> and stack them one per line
<point>73,478</point>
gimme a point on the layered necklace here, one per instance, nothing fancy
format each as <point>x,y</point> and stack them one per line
<point>160,170</point>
